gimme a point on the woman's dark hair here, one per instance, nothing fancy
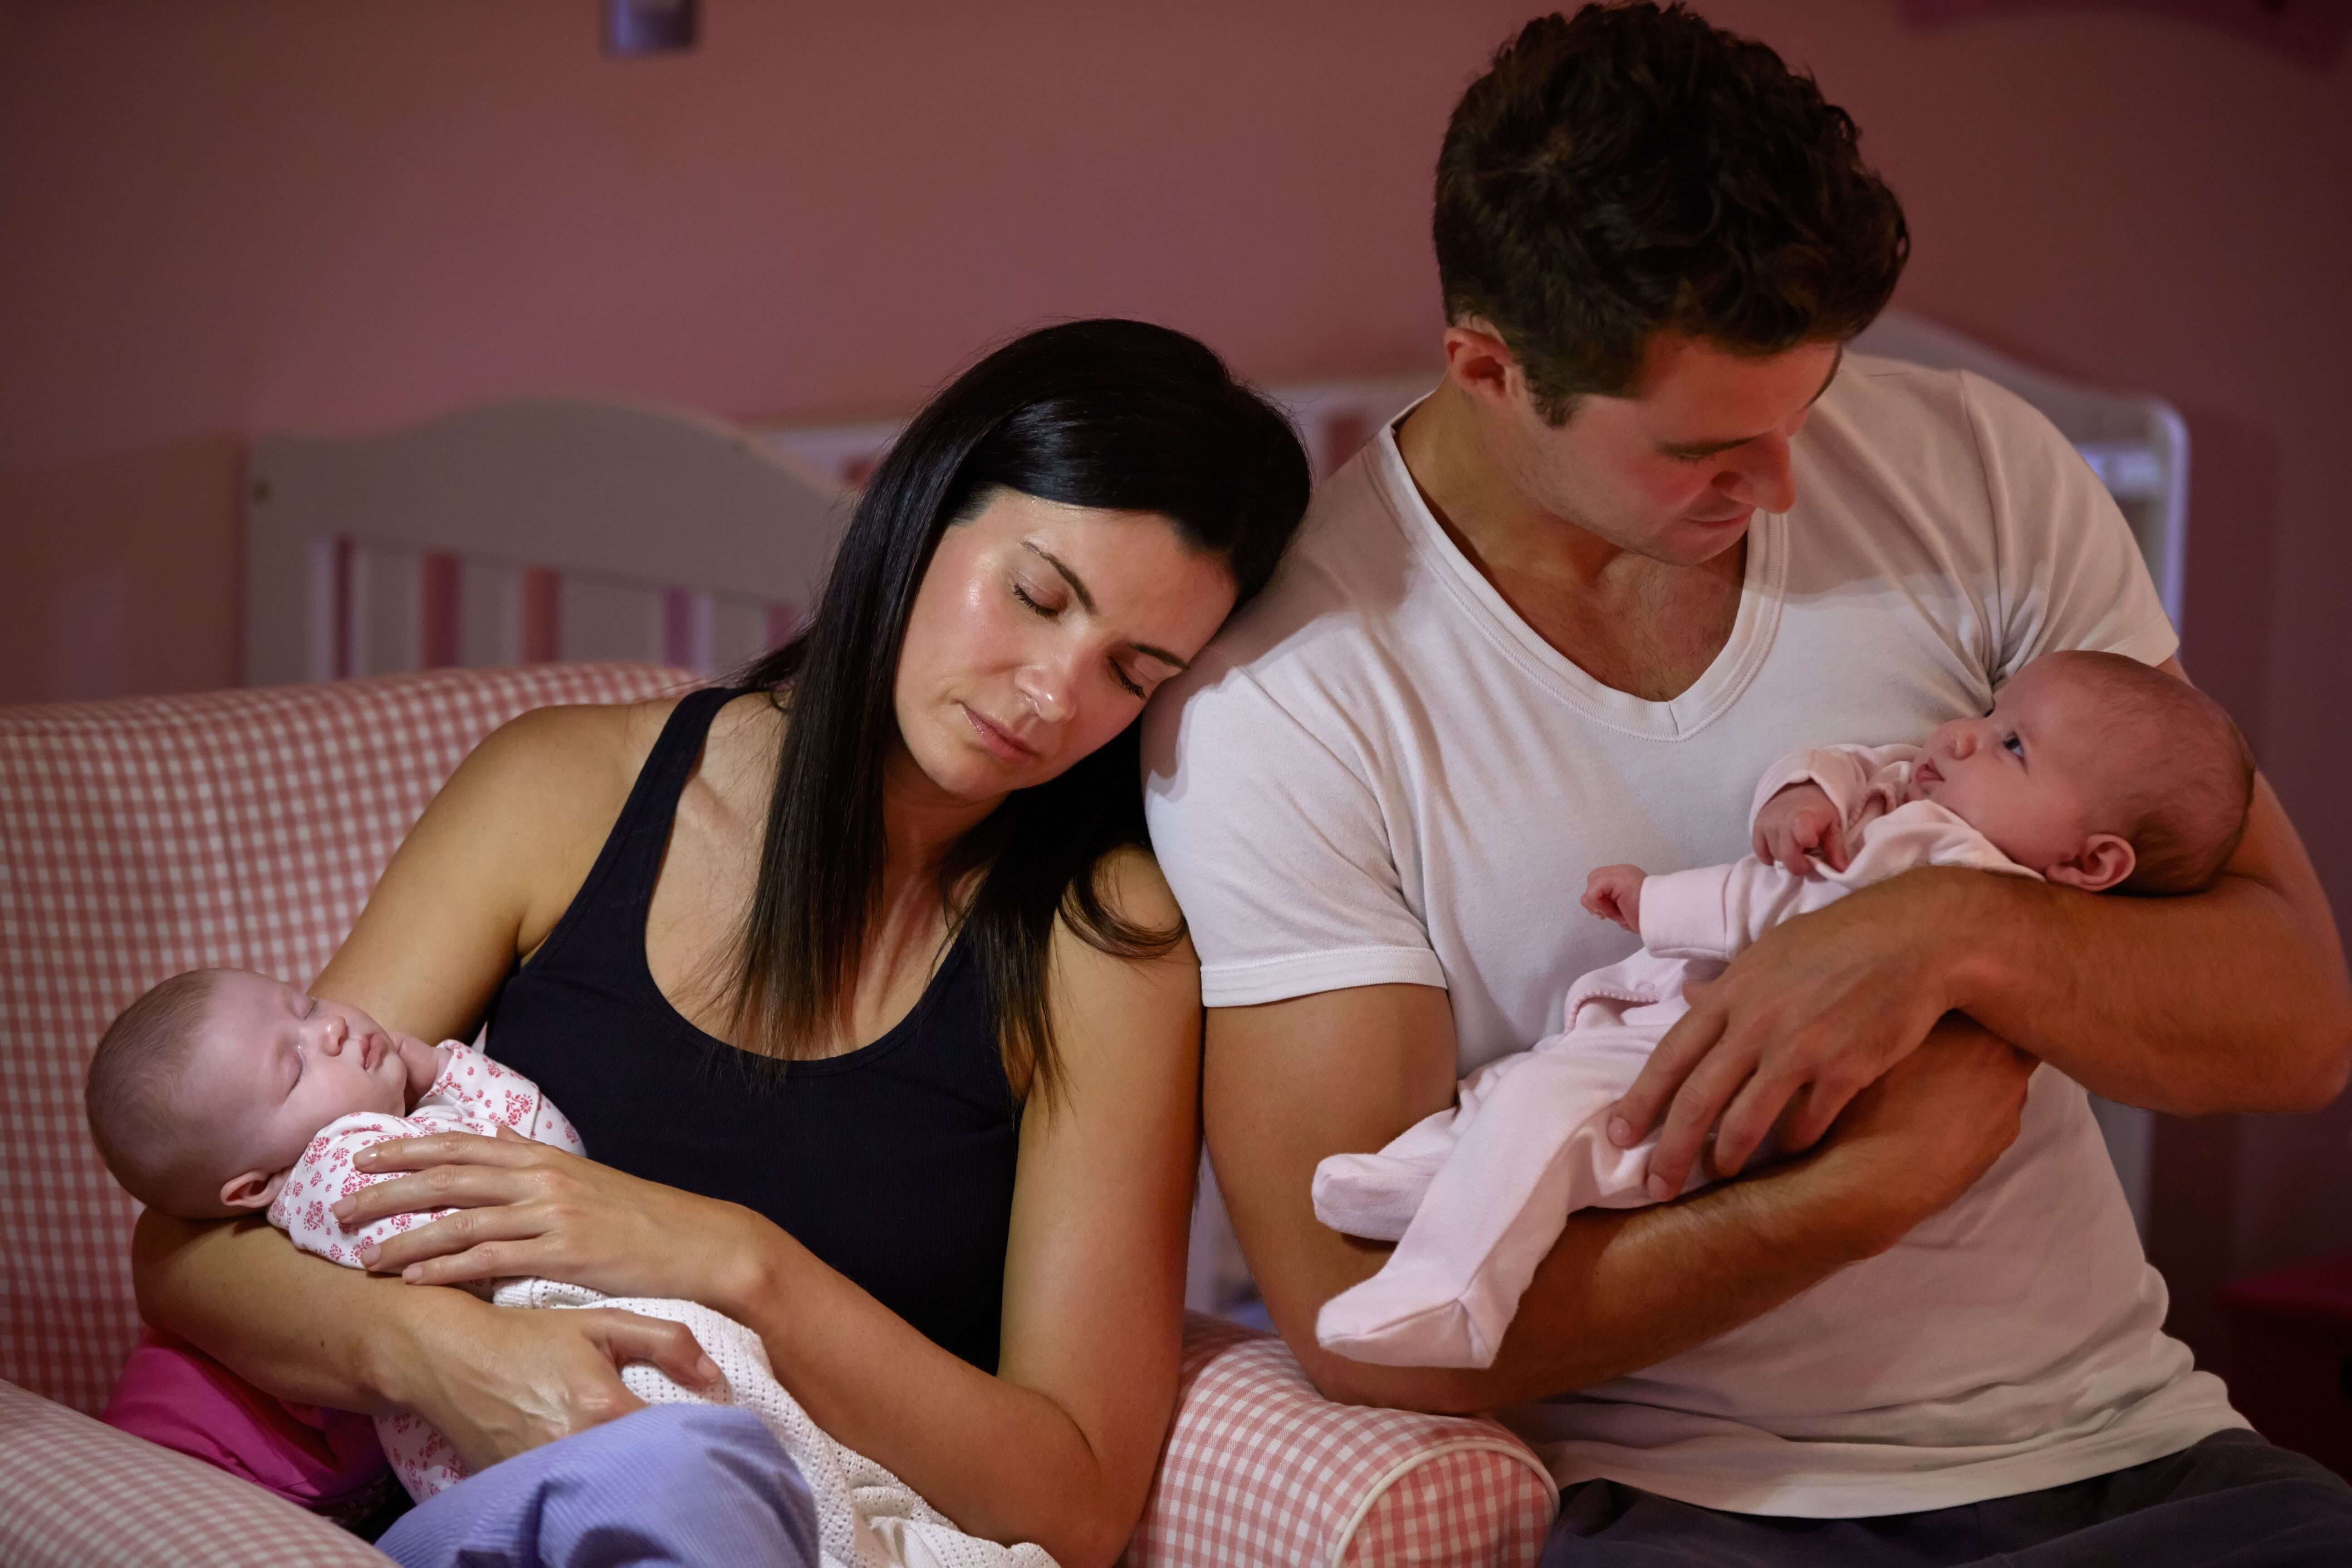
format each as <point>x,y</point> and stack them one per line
<point>1120,415</point>
<point>1633,168</point>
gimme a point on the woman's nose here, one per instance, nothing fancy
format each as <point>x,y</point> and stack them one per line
<point>1047,688</point>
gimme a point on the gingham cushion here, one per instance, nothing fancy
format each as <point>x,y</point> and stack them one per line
<point>146,836</point>
<point>1263,1472</point>
<point>79,1495</point>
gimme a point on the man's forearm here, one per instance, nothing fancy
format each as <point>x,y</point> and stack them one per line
<point>2232,999</point>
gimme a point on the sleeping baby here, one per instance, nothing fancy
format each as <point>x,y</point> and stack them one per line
<point>221,1092</point>
<point>2092,771</point>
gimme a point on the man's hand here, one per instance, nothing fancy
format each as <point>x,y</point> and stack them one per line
<point>1798,825</point>
<point>1813,1013</point>
<point>1614,893</point>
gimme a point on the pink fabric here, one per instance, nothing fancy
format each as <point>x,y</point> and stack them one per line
<point>151,834</point>
<point>146,836</point>
<point>173,1393</point>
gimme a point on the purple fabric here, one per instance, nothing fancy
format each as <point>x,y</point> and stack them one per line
<point>673,1484</point>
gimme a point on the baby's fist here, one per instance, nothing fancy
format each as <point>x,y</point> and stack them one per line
<point>1798,827</point>
<point>1614,893</point>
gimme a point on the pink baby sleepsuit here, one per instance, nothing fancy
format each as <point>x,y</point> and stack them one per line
<point>1474,1195</point>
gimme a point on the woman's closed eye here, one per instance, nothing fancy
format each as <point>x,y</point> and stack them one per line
<point>1022,592</point>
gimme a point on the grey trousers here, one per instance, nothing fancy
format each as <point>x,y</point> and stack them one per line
<point>2232,1499</point>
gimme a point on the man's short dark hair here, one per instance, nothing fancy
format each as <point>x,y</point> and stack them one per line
<point>1631,169</point>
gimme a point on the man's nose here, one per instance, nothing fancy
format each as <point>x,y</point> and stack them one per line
<point>1761,478</point>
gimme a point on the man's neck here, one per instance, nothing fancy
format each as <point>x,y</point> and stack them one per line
<point>1488,518</point>
<point>1636,623</point>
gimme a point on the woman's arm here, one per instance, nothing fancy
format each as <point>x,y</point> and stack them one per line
<point>484,874</point>
<point>494,1381</point>
<point>1057,1447</point>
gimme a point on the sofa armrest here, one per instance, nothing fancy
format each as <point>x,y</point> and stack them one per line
<point>1261,1471</point>
<point>80,1492</point>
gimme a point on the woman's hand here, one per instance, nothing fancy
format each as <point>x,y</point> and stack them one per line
<point>524,1208</point>
<point>496,1381</point>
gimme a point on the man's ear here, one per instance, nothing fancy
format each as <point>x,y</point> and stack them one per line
<point>1478,360</point>
<point>253,1190</point>
<point>2099,865</point>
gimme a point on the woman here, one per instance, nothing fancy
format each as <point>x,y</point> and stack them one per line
<point>883,1032</point>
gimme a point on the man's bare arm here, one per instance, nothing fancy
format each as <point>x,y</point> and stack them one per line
<point>2232,999</point>
<point>1290,1082</point>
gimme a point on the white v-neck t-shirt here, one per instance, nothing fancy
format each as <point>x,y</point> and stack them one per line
<point>1379,773</point>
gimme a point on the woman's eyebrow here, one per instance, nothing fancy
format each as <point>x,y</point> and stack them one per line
<point>1079,588</point>
<point>1068,577</point>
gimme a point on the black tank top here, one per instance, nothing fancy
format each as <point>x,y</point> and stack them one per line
<point>893,1164</point>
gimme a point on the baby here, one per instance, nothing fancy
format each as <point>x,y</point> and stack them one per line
<point>2092,771</point>
<point>221,1092</point>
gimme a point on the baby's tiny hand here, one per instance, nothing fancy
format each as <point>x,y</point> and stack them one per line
<point>423,1063</point>
<point>1798,825</point>
<point>1614,893</point>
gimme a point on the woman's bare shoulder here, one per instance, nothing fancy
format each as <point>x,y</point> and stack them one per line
<point>1095,987</point>
<point>568,759</point>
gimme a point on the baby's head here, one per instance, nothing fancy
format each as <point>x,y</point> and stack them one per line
<point>2099,772</point>
<point>205,1091</point>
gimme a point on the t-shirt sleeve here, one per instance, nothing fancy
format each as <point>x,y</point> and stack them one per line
<point>2068,573</point>
<point>1277,851</point>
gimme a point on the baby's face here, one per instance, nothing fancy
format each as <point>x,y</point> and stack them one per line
<point>2023,775</point>
<point>274,1066</point>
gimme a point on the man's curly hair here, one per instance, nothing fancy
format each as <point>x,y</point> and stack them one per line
<point>1632,168</point>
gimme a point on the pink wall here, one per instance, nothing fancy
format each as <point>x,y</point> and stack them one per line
<point>260,214</point>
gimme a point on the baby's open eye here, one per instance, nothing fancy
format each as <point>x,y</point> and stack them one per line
<point>2015,747</point>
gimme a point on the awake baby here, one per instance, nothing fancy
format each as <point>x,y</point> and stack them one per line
<point>2092,771</point>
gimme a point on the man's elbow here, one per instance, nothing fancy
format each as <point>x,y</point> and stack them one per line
<point>1432,1391</point>
<point>2326,1063</point>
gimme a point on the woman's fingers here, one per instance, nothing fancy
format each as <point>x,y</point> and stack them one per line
<point>447,1149</point>
<point>437,1187</point>
<point>465,1231</point>
<point>672,1347</point>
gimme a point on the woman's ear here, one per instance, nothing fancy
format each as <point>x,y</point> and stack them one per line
<point>2100,864</point>
<point>253,1190</point>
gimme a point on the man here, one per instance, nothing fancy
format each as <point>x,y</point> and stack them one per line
<point>1650,532</point>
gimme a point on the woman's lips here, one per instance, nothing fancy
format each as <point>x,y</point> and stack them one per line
<point>996,738</point>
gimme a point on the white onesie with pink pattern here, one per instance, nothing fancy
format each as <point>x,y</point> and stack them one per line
<point>866,1516</point>
<point>1476,1196</point>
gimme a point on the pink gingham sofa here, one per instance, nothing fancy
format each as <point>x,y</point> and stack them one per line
<point>145,835</point>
